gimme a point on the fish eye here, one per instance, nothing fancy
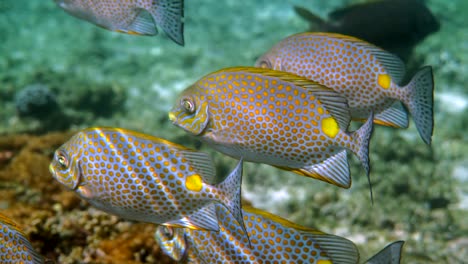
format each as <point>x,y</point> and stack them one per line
<point>167,232</point>
<point>62,160</point>
<point>265,64</point>
<point>188,105</point>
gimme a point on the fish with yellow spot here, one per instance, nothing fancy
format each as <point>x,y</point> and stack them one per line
<point>144,178</point>
<point>272,239</point>
<point>134,17</point>
<point>14,246</point>
<point>276,118</point>
<point>369,77</point>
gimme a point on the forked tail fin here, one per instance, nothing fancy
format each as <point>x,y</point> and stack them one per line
<point>421,101</point>
<point>362,138</point>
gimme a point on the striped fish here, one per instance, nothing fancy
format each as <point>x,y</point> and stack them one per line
<point>143,178</point>
<point>14,246</point>
<point>273,240</point>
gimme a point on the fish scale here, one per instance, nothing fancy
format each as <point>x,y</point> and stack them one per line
<point>272,238</point>
<point>144,178</point>
<point>275,118</point>
<point>366,75</point>
<point>14,246</point>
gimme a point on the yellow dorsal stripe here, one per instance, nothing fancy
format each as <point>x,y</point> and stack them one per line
<point>138,135</point>
<point>284,76</point>
<point>6,220</point>
<point>280,220</point>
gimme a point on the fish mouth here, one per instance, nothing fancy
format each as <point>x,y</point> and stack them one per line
<point>52,170</point>
<point>172,117</point>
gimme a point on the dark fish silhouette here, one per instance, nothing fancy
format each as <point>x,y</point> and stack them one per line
<point>394,25</point>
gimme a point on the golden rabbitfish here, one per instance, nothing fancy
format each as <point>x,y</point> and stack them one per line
<point>273,240</point>
<point>135,17</point>
<point>369,77</point>
<point>144,178</point>
<point>14,246</point>
<point>275,118</point>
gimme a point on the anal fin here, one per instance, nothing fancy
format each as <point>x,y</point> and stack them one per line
<point>393,116</point>
<point>142,25</point>
<point>203,219</point>
<point>334,170</point>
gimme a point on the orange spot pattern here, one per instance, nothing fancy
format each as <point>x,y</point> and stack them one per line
<point>272,242</point>
<point>14,247</point>
<point>135,176</point>
<point>112,15</point>
<point>266,119</point>
<point>341,63</point>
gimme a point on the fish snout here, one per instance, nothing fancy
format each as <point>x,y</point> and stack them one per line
<point>172,117</point>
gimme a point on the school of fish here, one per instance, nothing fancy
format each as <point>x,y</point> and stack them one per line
<point>293,111</point>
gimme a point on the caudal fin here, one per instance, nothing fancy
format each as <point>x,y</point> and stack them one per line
<point>168,14</point>
<point>362,138</point>
<point>231,188</point>
<point>391,254</point>
<point>421,96</point>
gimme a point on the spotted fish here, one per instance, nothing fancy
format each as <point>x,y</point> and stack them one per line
<point>272,238</point>
<point>366,75</point>
<point>144,178</point>
<point>14,246</point>
<point>275,118</point>
<point>135,17</point>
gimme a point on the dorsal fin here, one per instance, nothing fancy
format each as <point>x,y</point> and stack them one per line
<point>338,249</point>
<point>13,225</point>
<point>393,65</point>
<point>202,163</point>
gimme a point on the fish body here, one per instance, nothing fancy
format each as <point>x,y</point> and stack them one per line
<point>135,17</point>
<point>272,239</point>
<point>275,118</point>
<point>369,77</point>
<point>143,178</point>
<point>394,25</point>
<point>14,246</point>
